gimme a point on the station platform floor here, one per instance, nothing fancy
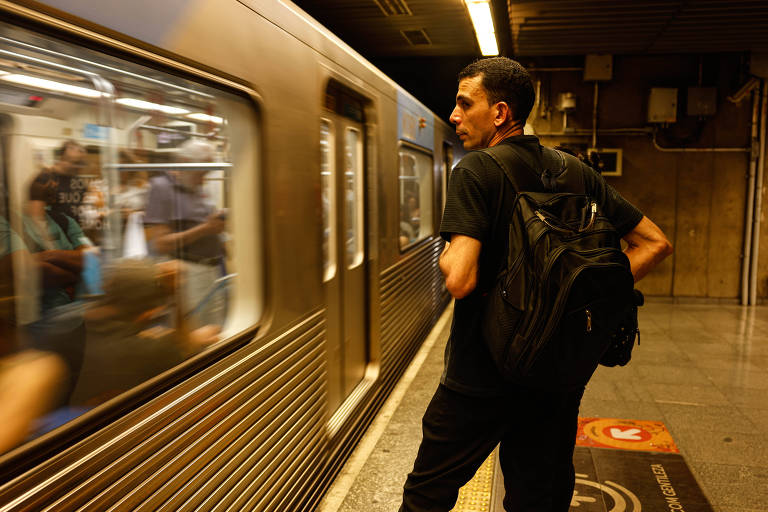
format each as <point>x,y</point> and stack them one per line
<point>683,427</point>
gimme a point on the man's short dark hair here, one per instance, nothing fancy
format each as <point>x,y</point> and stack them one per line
<point>504,80</point>
<point>59,152</point>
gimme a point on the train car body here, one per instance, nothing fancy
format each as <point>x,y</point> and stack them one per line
<point>331,179</point>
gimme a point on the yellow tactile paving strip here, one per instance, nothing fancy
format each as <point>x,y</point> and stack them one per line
<point>475,496</point>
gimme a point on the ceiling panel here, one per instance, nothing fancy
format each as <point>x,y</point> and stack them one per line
<point>549,27</point>
<point>559,27</point>
<point>365,25</point>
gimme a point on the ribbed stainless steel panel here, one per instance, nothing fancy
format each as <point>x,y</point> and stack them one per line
<point>243,432</point>
<point>412,297</point>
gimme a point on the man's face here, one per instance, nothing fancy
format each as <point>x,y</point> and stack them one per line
<point>73,158</point>
<point>473,116</point>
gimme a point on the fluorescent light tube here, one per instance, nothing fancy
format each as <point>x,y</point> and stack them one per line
<point>199,116</point>
<point>50,85</point>
<point>480,13</point>
<point>147,105</point>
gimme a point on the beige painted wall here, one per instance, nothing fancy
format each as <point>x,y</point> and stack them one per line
<point>698,199</point>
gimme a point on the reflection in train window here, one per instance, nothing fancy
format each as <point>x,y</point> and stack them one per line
<point>117,251</point>
<point>416,206</point>
<point>328,197</point>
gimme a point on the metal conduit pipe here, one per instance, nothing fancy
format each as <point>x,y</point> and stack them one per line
<point>758,200</point>
<point>699,150</point>
<point>750,210</point>
<point>607,131</point>
<point>552,70</point>
<point>594,118</point>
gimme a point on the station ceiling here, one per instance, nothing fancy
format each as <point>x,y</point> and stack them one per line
<point>423,44</point>
<point>422,28</point>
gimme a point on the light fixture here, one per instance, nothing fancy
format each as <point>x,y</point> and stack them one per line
<point>50,85</point>
<point>480,13</point>
<point>199,116</point>
<point>147,105</point>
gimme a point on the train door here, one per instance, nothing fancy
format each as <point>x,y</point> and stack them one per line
<point>344,206</point>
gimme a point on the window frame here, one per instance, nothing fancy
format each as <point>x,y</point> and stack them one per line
<point>402,144</point>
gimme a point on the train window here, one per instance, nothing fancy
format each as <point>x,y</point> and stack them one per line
<point>416,198</point>
<point>353,196</point>
<point>447,167</point>
<point>328,197</point>
<point>119,257</point>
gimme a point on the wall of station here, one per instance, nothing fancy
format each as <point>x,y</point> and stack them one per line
<point>697,198</point>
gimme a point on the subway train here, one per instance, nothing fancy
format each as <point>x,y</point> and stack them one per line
<point>219,230</point>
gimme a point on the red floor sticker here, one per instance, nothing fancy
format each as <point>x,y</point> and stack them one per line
<point>648,436</point>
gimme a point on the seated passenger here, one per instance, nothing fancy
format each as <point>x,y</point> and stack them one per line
<point>30,380</point>
<point>56,243</point>
<point>69,189</point>
<point>180,223</point>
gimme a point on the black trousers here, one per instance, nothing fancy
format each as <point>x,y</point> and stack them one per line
<point>536,431</point>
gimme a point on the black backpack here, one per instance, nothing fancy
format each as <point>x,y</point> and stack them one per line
<point>565,295</point>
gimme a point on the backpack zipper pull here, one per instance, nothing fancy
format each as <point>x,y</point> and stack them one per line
<point>589,320</point>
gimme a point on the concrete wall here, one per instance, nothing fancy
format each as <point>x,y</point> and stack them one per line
<point>698,199</point>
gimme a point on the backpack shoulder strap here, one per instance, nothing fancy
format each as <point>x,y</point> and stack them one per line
<point>571,176</point>
<point>506,154</point>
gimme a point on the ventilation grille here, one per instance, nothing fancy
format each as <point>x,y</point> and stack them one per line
<point>394,7</point>
<point>412,299</point>
<point>416,37</point>
<point>245,434</point>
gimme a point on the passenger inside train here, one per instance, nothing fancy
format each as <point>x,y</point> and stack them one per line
<point>113,234</point>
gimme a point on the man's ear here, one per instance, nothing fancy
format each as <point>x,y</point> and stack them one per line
<point>503,114</point>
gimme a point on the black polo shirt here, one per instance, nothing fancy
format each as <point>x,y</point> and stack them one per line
<point>475,187</point>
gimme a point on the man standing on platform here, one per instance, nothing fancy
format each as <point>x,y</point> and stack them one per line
<point>474,409</point>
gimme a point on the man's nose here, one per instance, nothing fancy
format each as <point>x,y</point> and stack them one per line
<point>455,118</point>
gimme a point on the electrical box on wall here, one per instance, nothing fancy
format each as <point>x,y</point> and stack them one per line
<point>702,101</point>
<point>566,102</point>
<point>607,160</point>
<point>758,64</point>
<point>598,67</point>
<point>662,105</point>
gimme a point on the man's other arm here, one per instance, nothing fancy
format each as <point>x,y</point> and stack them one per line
<point>459,262</point>
<point>646,247</point>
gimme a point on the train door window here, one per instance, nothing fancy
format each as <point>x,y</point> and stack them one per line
<point>416,196</point>
<point>353,193</point>
<point>446,170</point>
<point>119,191</point>
<point>328,197</point>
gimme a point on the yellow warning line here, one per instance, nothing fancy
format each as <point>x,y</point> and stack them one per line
<point>475,496</point>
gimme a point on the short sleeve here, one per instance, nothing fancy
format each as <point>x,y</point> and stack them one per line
<point>466,208</point>
<point>75,234</point>
<point>623,215</point>
<point>9,241</point>
<point>159,201</point>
